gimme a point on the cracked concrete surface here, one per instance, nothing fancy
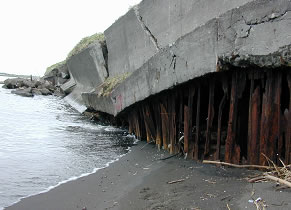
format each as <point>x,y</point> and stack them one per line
<point>145,28</point>
<point>142,32</point>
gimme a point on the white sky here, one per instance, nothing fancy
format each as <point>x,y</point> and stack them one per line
<point>35,34</point>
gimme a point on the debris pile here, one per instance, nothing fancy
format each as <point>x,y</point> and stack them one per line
<point>281,175</point>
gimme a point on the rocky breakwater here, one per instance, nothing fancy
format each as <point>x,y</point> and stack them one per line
<point>30,87</point>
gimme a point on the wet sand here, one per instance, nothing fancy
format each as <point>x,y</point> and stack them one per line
<point>140,179</point>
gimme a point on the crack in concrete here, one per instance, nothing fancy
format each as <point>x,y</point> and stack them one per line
<point>173,61</point>
<point>266,18</point>
<point>146,29</point>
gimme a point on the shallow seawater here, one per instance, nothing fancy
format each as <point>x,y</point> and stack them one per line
<point>43,142</point>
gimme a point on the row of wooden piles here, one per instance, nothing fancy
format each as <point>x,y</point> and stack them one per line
<point>231,116</point>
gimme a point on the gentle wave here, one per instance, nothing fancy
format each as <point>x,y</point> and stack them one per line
<point>69,180</point>
<point>45,143</point>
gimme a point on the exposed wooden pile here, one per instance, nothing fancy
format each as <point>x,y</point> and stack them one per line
<point>229,116</point>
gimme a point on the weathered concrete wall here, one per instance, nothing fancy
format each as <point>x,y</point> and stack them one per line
<point>169,20</point>
<point>128,45</point>
<point>255,34</point>
<point>152,25</point>
<point>88,66</point>
<point>87,70</point>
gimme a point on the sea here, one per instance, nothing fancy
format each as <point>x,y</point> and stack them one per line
<point>44,142</point>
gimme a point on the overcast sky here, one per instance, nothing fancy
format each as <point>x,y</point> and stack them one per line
<point>37,33</point>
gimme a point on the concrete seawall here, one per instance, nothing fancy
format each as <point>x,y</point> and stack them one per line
<point>241,36</point>
<point>152,25</point>
<point>196,77</point>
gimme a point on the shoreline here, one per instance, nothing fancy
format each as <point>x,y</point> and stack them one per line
<point>95,170</point>
<point>12,200</point>
<point>139,180</point>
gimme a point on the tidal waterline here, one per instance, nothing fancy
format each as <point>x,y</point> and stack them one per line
<point>44,142</point>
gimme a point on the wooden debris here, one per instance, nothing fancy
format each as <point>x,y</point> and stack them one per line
<point>260,204</point>
<point>227,206</point>
<point>176,181</point>
<point>171,156</point>
<point>276,179</point>
<point>256,179</point>
<point>209,181</point>
<point>146,145</point>
<point>235,165</point>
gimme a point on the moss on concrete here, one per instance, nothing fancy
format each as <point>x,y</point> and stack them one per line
<point>110,83</point>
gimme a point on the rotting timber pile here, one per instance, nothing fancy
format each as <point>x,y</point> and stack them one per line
<point>231,116</point>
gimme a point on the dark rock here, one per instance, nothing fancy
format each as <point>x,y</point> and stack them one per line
<point>53,73</point>
<point>58,92</point>
<point>29,83</point>
<point>23,92</point>
<point>36,91</point>
<point>21,82</point>
<point>47,85</point>
<point>13,83</point>
<point>45,91</point>
<point>37,84</point>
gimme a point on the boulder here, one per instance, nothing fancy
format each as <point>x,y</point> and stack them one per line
<point>13,83</point>
<point>36,91</point>
<point>58,92</point>
<point>29,83</point>
<point>23,92</point>
<point>21,82</point>
<point>45,91</point>
<point>47,85</point>
<point>37,83</point>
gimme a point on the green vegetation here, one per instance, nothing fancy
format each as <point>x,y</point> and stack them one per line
<point>110,83</point>
<point>85,42</point>
<point>55,66</point>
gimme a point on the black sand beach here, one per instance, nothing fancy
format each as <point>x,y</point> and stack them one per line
<point>140,179</point>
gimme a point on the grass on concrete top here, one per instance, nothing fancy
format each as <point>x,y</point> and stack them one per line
<point>55,66</point>
<point>110,83</point>
<point>85,42</point>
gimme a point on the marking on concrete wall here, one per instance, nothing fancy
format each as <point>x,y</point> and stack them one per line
<point>118,103</point>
